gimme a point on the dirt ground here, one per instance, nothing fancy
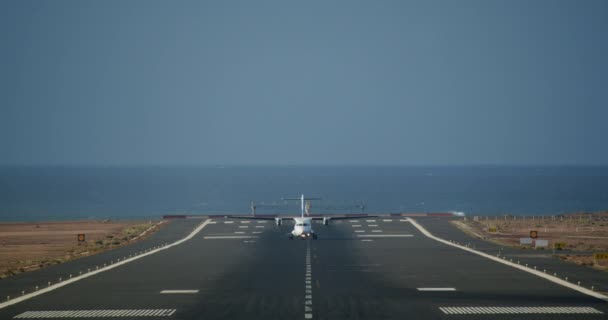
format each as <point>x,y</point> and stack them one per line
<point>582,234</point>
<point>26,246</point>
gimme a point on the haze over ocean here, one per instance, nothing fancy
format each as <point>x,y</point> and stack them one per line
<point>59,193</point>
<point>127,108</point>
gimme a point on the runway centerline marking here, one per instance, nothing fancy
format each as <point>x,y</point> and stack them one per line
<point>372,225</point>
<point>178,291</point>
<point>308,287</point>
<point>100,270</point>
<point>538,273</point>
<point>436,289</point>
<point>356,225</point>
<point>376,230</point>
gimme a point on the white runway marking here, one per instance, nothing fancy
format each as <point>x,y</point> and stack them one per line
<point>352,221</point>
<point>387,220</point>
<point>179,291</point>
<point>212,222</point>
<point>404,220</point>
<point>246,221</point>
<point>519,310</point>
<point>436,289</point>
<point>376,230</point>
<point>259,226</point>
<point>256,232</point>
<point>370,220</point>
<point>367,240</point>
<point>385,235</point>
<point>97,313</point>
<point>110,267</point>
<point>372,225</point>
<point>356,225</point>
<point>308,282</point>
<point>359,230</point>
<point>262,221</point>
<point>229,237</point>
<point>239,232</point>
<point>512,264</point>
<point>242,227</point>
<point>228,222</point>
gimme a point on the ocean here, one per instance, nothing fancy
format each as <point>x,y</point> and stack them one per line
<point>65,193</point>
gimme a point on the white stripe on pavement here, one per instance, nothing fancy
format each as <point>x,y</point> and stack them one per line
<point>179,291</point>
<point>385,235</point>
<point>229,237</point>
<point>436,289</point>
<point>97,313</point>
<point>519,310</point>
<point>512,264</point>
<point>100,270</point>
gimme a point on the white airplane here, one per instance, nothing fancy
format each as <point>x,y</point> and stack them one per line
<point>302,227</point>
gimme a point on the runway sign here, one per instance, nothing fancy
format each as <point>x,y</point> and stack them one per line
<point>533,234</point>
<point>81,237</point>
<point>525,241</point>
<point>541,243</point>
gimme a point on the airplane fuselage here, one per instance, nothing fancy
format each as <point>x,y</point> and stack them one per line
<point>302,228</point>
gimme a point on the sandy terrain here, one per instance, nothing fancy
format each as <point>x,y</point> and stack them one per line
<point>581,234</point>
<point>30,246</point>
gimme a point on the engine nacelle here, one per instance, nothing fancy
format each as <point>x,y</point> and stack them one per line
<point>277,221</point>
<point>326,221</point>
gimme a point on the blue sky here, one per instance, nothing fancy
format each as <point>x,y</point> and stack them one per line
<point>303,83</point>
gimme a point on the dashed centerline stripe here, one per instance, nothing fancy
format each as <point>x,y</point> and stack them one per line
<point>308,286</point>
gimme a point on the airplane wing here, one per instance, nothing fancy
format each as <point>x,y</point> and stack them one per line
<point>256,217</point>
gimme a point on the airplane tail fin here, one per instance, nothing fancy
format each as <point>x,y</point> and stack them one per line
<point>302,203</point>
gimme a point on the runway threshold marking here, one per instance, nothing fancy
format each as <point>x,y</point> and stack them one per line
<point>178,291</point>
<point>100,270</point>
<point>520,310</point>
<point>97,313</point>
<point>436,289</point>
<point>538,273</point>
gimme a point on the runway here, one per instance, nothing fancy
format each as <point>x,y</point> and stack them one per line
<point>359,269</point>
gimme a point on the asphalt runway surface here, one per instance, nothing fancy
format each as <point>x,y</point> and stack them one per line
<point>370,268</point>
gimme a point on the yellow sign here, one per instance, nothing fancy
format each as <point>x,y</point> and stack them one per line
<point>492,229</point>
<point>600,256</point>
<point>80,237</point>
<point>533,234</point>
<point>559,245</point>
